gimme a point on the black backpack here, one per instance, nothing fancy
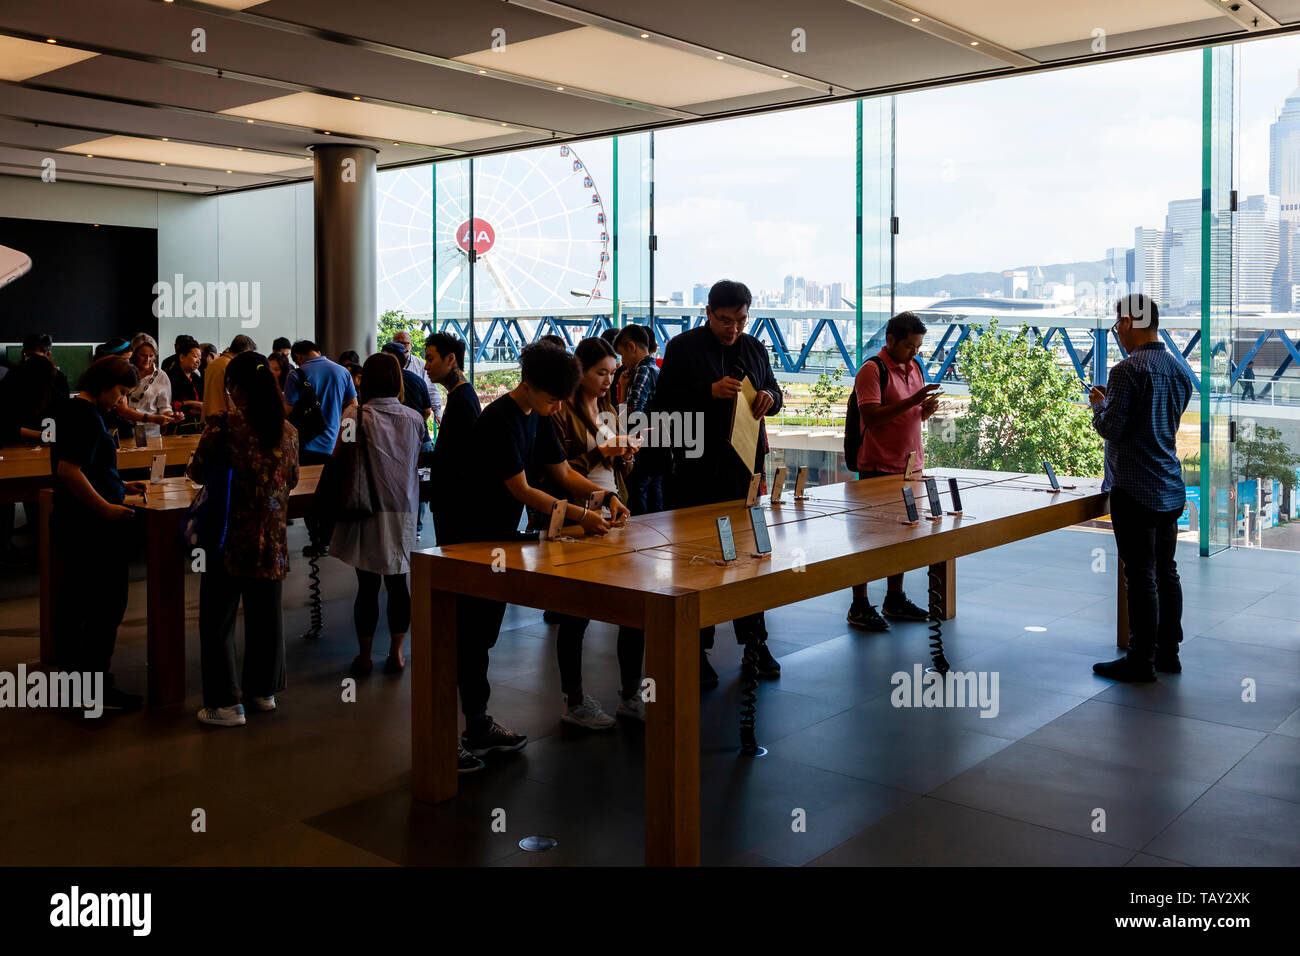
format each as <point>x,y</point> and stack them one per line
<point>307,416</point>
<point>853,433</point>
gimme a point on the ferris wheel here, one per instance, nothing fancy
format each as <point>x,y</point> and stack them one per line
<point>539,230</point>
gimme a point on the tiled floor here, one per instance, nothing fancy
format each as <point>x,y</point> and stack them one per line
<point>1202,768</point>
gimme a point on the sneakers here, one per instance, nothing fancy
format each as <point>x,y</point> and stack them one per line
<point>492,737</point>
<point>1126,669</point>
<point>116,699</point>
<point>633,708</point>
<point>768,668</point>
<point>1168,663</point>
<point>863,614</point>
<point>588,714</point>
<point>223,716</point>
<point>264,703</point>
<point>708,676</point>
<point>897,607</point>
<point>466,762</point>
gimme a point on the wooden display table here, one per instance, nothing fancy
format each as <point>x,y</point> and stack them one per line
<point>659,574</point>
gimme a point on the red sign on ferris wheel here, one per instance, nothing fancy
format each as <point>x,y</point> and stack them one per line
<point>484,236</point>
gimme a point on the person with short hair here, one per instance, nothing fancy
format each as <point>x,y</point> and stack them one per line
<point>281,347</point>
<point>87,527</point>
<point>350,357</point>
<point>1248,382</point>
<point>179,345</point>
<point>150,401</point>
<point>891,420</point>
<point>261,448</point>
<point>698,378</point>
<point>40,344</point>
<point>187,382</point>
<point>444,357</point>
<point>209,355</point>
<point>215,400</point>
<point>378,546</point>
<point>645,483</point>
<point>1138,412</point>
<point>512,437</point>
<point>412,363</point>
<point>334,390</point>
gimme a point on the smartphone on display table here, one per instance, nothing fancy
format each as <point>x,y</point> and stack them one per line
<point>778,484</point>
<point>1051,475</point>
<point>909,502</point>
<point>800,481</point>
<point>932,491</point>
<point>762,542</point>
<point>955,491</point>
<point>726,539</point>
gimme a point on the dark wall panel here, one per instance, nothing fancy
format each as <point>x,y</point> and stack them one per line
<point>88,283</point>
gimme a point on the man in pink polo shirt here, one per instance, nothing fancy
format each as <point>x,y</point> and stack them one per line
<point>891,427</point>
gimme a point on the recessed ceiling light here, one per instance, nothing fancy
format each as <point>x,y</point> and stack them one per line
<point>164,139</point>
<point>645,36</point>
<point>90,155</point>
<point>560,88</point>
<point>250,121</point>
<point>916,19</point>
<point>434,112</point>
<point>51,40</point>
<point>356,97</point>
<point>162,164</point>
<point>505,124</point>
<point>719,57</point>
<point>482,71</point>
<point>325,131</point>
<point>396,143</point>
<point>785,76</point>
<point>974,42</point>
<point>239,149</point>
<point>228,171</point>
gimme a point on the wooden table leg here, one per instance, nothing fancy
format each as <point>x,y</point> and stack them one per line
<point>165,615</point>
<point>45,558</point>
<point>1121,606</point>
<point>947,574</point>
<point>672,748</point>
<point>434,719</point>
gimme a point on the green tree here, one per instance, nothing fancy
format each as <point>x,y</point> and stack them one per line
<point>1265,455</point>
<point>1021,411</point>
<point>826,391</point>
<point>396,320</point>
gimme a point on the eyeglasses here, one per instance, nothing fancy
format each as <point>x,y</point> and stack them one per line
<point>731,323</point>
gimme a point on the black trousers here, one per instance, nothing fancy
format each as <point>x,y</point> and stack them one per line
<point>478,625</point>
<point>320,526</point>
<point>1146,541</point>
<point>365,609</point>
<point>264,669</point>
<point>568,651</point>
<point>92,593</point>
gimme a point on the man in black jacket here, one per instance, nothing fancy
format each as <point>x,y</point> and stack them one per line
<point>702,374</point>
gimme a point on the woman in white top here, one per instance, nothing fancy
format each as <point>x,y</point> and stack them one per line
<point>593,450</point>
<point>379,546</point>
<point>150,401</point>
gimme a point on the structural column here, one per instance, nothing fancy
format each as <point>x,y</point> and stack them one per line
<point>344,188</point>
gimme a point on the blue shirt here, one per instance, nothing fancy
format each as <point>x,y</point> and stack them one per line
<point>334,389</point>
<point>1146,396</point>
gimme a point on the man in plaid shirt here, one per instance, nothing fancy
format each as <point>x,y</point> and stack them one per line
<point>1138,414</point>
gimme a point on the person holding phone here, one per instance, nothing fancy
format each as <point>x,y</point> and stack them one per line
<point>512,438</point>
<point>89,513</point>
<point>150,401</point>
<point>604,459</point>
<point>702,376</point>
<point>1138,413</point>
<point>893,400</point>
<point>187,382</point>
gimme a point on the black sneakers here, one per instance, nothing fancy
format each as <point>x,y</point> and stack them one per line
<point>1168,663</point>
<point>708,676</point>
<point>897,607</point>
<point>1129,670</point>
<point>768,667</point>
<point>863,614</point>
<point>493,737</point>
<point>466,762</point>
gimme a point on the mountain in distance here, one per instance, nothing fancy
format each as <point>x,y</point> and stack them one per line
<point>964,284</point>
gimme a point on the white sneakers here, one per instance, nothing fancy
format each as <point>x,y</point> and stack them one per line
<point>587,714</point>
<point>633,708</point>
<point>223,716</point>
<point>591,715</point>
<point>234,716</point>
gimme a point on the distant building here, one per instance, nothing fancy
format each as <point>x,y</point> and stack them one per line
<point>1119,264</point>
<point>836,296</point>
<point>1184,224</point>
<point>677,298</point>
<point>1284,183</point>
<point>1015,284</point>
<point>1151,263</point>
<point>1257,252</point>
<point>700,294</point>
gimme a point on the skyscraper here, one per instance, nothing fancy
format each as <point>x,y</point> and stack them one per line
<point>1284,183</point>
<point>1151,263</point>
<point>1257,252</point>
<point>1184,222</point>
<point>700,294</point>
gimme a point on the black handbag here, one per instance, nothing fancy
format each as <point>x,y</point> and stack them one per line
<point>306,415</point>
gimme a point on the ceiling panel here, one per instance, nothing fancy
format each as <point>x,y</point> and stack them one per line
<point>23,59</point>
<point>1283,11</point>
<point>73,166</point>
<point>1025,24</point>
<point>845,44</point>
<point>165,152</point>
<point>1119,42</point>
<point>153,83</point>
<point>627,67</point>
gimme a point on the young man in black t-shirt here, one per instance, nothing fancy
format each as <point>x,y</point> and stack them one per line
<point>513,437</point>
<point>444,357</point>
